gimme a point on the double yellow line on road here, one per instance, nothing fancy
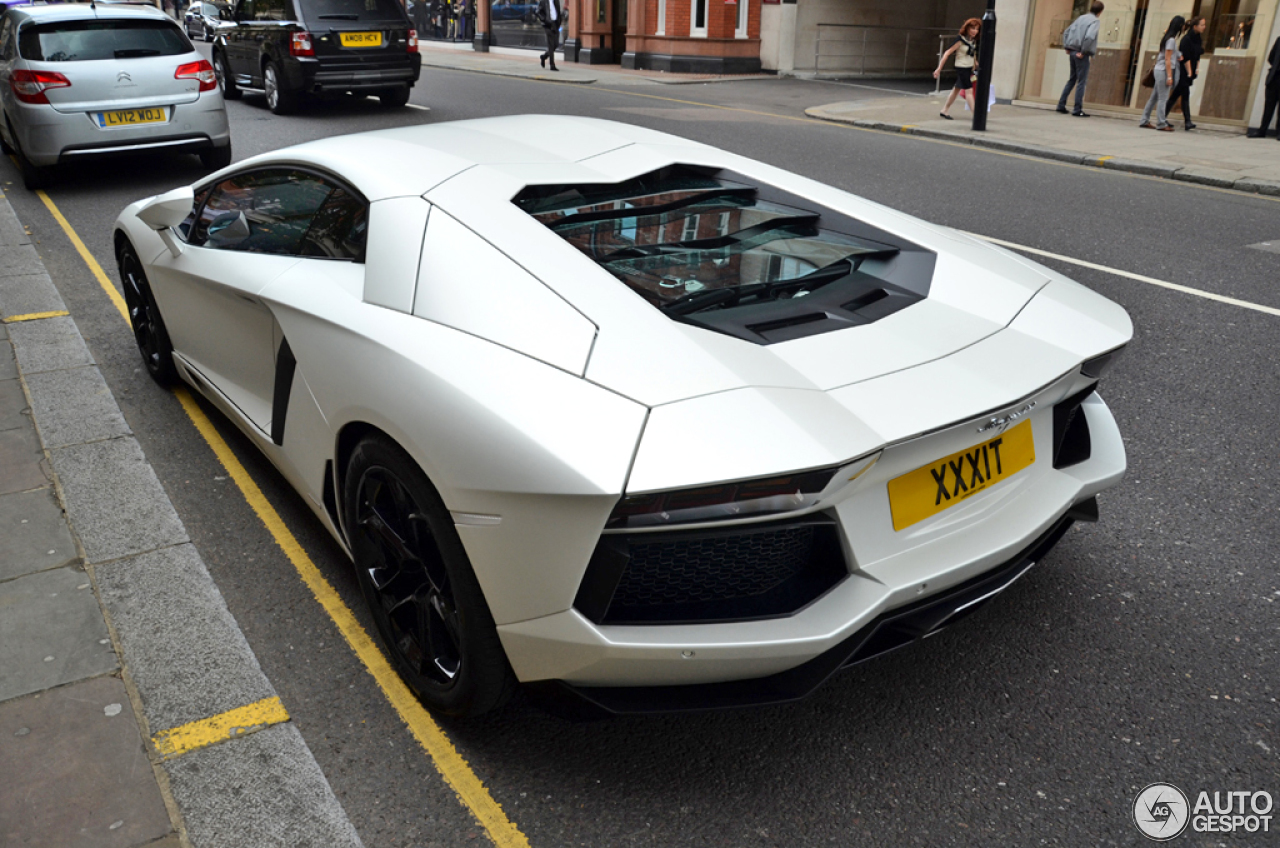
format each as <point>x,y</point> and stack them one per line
<point>451,765</point>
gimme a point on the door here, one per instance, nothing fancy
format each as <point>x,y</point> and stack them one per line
<point>619,29</point>
<point>244,232</point>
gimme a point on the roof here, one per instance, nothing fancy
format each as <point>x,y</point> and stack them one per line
<point>81,11</point>
<point>410,161</point>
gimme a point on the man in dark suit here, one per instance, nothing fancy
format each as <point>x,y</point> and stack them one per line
<point>1271,96</point>
<point>549,14</point>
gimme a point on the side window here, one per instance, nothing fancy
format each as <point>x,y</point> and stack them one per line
<point>339,228</point>
<point>266,211</point>
<point>184,229</point>
<point>246,10</point>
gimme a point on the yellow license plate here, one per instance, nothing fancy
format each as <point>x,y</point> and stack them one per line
<point>361,39</point>
<point>130,117</point>
<point>930,489</point>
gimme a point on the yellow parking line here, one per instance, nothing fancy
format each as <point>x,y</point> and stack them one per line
<point>34,316</point>
<point>452,766</point>
<point>200,734</point>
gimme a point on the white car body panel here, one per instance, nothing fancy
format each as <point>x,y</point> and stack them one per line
<point>535,389</point>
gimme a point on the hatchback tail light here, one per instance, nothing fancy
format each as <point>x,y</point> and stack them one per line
<point>413,41</point>
<point>300,45</point>
<point>200,71</point>
<point>30,86</point>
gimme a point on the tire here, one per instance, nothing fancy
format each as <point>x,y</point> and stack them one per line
<point>149,332</point>
<point>427,606</point>
<point>208,34</point>
<point>394,98</point>
<point>34,177</point>
<point>216,158</point>
<point>280,100</point>
<point>223,72</point>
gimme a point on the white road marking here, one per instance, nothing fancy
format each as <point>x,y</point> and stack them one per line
<point>1231,301</point>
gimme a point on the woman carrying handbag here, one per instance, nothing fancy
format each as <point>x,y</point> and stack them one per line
<point>966,49</point>
<point>1166,74</point>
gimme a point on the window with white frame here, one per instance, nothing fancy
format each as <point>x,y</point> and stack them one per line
<point>743,10</point>
<point>698,20</point>
<point>662,17</point>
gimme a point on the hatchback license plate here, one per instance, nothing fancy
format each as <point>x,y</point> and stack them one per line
<point>931,488</point>
<point>132,117</point>
<point>361,39</point>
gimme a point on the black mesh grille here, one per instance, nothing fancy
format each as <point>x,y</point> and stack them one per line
<point>715,569</point>
<point>752,571</point>
<point>1071,442</point>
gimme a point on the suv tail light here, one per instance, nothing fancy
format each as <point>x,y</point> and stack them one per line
<point>30,86</point>
<point>300,44</point>
<point>200,71</point>
<point>413,41</point>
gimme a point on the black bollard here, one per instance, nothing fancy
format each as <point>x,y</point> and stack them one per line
<point>986,54</point>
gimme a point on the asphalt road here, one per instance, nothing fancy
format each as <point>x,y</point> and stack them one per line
<point>1143,649</point>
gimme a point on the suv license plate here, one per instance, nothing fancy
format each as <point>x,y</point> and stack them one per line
<point>361,39</point>
<point>131,117</point>
<point>931,488</point>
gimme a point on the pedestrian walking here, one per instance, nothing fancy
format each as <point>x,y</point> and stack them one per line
<point>965,48</point>
<point>1192,48</point>
<point>1165,75</point>
<point>1271,101</point>
<point>549,15</point>
<point>1080,40</point>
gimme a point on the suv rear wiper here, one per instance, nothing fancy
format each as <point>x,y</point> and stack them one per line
<point>814,280</point>
<point>136,52</point>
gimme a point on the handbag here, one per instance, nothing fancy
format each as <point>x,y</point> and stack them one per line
<point>1149,81</point>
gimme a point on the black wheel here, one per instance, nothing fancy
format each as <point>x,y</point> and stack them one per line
<point>216,158</point>
<point>208,34</point>
<point>4,146</point>
<point>148,327</point>
<point>428,608</point>
<point>280,100</point>
<point>227,82</point>
<point>394,98</point>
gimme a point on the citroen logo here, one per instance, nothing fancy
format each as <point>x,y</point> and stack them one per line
<point>123,78</point>
<point>1001,422</point>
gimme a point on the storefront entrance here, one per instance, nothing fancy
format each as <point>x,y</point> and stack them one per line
<point>1235,53</point>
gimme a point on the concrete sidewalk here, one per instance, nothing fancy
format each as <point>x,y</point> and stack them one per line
<point>1214,156</point>
<point>132,709</point>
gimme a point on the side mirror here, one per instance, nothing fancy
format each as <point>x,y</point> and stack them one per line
<point>228,229</point>
<point>169,209</point>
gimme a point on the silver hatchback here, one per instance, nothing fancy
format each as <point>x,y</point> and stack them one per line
<point>79,80</point>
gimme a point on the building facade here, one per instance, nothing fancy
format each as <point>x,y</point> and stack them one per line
<point>894,38</point>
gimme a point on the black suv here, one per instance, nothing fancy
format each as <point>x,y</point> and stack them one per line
<point>290,48</point>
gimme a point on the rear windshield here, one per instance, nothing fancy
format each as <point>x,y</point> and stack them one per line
<point>711,251</point>
<point>351,10</point>
<point>86,41</point>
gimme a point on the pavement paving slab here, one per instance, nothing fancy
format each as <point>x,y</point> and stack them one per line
<point>33,534</point>
<point>8,365</point>
<point>263,790</point>
<point>50,344</point>
<point>28,294</point>
<point>93,786</point>
<point>186,656</point>
<point>52,630</point>
<point>73,407</point>
<point>116,505</point>
<point>22,462</point>
<point>21,260</point>
<point>13,406</point>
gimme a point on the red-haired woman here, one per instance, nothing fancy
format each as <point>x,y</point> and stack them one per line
<point>966,49</point>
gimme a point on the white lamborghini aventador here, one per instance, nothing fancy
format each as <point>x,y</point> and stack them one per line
<point>635,422</point>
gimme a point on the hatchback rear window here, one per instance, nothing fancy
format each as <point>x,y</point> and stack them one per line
<point>86,41</point>
<point>351,10</point>
<point>711,249</point>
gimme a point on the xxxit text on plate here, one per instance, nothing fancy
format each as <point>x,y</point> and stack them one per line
<point>945,482</point>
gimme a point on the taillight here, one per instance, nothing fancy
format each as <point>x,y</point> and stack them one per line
<point>413,41</point>
<point>200,71</point>
<point>30,86</point>
<point>300,45</point>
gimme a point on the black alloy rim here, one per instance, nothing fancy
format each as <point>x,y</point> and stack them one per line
<point>141,315</point>
<point>408,576</point>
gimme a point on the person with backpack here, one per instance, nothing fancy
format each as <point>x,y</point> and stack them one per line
<point>1080,40</point>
